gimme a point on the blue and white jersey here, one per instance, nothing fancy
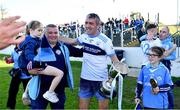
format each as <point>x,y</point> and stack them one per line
<point>168,44</point>
<point>162,76</point>
<point>95,52</point>
<point>15,56</point>
<point>146,45</point>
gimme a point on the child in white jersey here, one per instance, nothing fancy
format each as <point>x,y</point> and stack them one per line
<point>151,40</point>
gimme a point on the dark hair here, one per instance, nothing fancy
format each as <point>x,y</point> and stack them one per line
<point>50,26</point>
<point>32,25</point>
<point>158,50</point>
<point>150,26</point>
<point>94,16</point>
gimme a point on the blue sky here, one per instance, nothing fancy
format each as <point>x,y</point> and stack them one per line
<point>61,11</point>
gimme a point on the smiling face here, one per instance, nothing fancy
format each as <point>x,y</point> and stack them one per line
<point>155,54</point>
<point>153,58</point>
<point>52,35</point>
<point>92,24</point>
<point>164,32</point>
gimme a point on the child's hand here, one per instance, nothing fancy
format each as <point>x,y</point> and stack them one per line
<point>137,100</point>
<point>155,90</point>
<point>29,65</point>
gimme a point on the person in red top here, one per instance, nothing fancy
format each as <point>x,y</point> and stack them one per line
<point>126,23</point>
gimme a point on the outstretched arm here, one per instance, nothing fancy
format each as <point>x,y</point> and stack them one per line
<point>9,28</point>
<point>68,40</point>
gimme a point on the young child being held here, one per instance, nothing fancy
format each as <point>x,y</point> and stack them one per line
<point>26,61</point>
<point>154,81</point>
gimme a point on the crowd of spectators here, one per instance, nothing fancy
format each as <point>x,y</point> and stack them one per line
<point>112,27</point>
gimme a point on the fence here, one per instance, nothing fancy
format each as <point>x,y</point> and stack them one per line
<point>176,40</point>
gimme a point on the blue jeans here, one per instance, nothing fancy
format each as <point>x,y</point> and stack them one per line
<point>41,103</point>
<point>171,99</point>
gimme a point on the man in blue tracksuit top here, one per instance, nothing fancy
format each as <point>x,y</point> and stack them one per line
<point>40,84</point>
<point>167,44</point>
<point>170,54</point>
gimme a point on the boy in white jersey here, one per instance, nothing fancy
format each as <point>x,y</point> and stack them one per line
<point>150,41</point>
<point>97,47</point>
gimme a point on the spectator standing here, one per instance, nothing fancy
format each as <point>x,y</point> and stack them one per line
<point>17,76</point>
<point>169,55</point>
<point>126,23</point>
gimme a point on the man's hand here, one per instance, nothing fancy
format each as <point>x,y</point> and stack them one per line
<point>9,28</point>
<point>168,52</point>
<point>35,71</point>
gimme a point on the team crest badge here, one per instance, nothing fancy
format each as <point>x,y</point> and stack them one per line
<point>58,52</point>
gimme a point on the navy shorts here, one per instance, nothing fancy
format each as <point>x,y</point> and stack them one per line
<point>37,64</point>
<point>89,89</point>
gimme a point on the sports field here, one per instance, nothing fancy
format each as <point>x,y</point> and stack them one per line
<point>72,97</point>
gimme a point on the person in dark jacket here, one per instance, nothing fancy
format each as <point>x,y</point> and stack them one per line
<point>40,84</point>
<point>27,62</point>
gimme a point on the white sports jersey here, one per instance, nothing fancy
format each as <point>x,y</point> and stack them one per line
<point>146,45</point>
<point>95,52</point>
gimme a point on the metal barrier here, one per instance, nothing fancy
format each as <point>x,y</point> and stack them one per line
<point>122,34</point>
<point>176,40</point>
<point>118,35</point>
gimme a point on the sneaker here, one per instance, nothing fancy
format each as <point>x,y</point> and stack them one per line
<point>51,96</point>
<point>25,99</point>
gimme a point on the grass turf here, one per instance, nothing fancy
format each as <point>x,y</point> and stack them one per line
<point>72,97</point>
